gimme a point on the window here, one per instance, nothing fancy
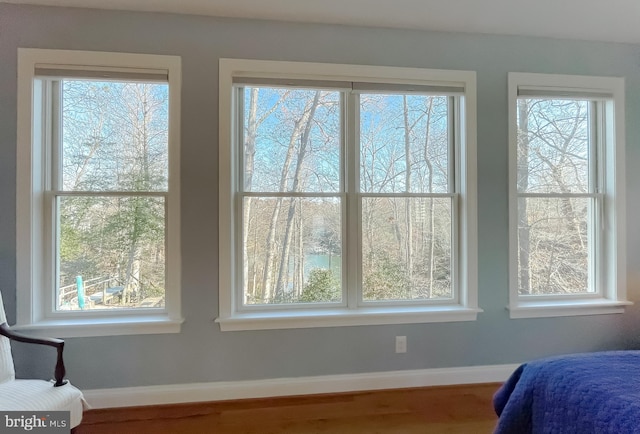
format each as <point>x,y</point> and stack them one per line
<point>567,195</point>
<point>347,195</point>
<point>98,192</point>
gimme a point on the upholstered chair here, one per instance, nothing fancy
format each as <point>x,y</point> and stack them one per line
<point>35,395</point>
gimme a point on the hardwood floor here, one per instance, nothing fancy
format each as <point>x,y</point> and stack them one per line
<point>452,410</point>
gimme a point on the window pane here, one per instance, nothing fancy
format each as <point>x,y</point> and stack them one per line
<point>406,248</point>
<point>114,136</point>
<point>292,250</point>
<point>404,144</point>
<point>111,252</point>
<point>291,140</point>
<point>553,146</point>
<point>553,245</point>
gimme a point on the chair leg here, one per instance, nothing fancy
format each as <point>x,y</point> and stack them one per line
<point>60,370</point>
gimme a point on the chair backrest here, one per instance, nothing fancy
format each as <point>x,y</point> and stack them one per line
<point>7,371</point>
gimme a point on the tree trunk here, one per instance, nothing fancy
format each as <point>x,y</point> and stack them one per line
<point>432,222</point>
<point>407,201</point>
<point>304,142</point>
<point>249,166</point>
<point>299,270</point>
<point>141,142</point>
<point>269,271</point>
<point>524,230</point>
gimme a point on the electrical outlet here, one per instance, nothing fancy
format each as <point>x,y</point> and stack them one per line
<point>401,344</point>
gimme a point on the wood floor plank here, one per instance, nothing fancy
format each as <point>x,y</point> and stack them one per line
<point>454,409</point>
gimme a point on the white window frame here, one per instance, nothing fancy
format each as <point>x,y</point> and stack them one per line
<point>34,250</point>
<point>463,308</point>
<point>608,272</point>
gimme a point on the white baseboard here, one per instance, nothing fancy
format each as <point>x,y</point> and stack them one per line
<point>225,390</point>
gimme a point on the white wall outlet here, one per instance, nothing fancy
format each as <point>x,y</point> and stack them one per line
<point>401,344</point>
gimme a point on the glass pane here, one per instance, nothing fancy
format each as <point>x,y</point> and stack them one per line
<point>111,252</point>
<point>553,246</point>
<point>406,248</point>
<point>114,136</point>
<point>291,140</point>
<point>292,250</point>
<point>404,144</point>
<point>553,146</point>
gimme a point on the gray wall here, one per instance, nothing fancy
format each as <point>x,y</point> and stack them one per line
<point>201,353</point>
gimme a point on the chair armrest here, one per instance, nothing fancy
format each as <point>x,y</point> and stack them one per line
<point>7,332</point>
<point>58,344</point>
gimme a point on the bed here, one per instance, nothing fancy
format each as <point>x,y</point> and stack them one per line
<point>595,393</point>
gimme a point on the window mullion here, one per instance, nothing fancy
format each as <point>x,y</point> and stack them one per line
<point>455,172</point>
<point>55,133</point>
<point>237,163</point>
<point>352,262</point>
<point>596,216</point>
<point>453,119</point>
<point>54,127</point>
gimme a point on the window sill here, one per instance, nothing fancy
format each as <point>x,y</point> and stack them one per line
<point>345,317</point>
<point>546,309</point>
<point>85,327</point>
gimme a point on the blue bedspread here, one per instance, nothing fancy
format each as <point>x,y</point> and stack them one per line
<point>595,393</point>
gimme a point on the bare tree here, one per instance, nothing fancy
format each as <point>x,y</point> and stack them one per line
<point>553,159</point>
<point>300,125</point>
<point>115,139</point>
<point>302,151</point>
<point>251,132</point>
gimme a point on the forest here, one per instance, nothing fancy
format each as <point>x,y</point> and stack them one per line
<point>110,194</point>
<point>299,180</point>
<point>320,179</point>
<point>557,178</point>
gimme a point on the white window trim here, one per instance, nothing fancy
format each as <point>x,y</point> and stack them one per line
<point>32,285</point>
<point>613,292</point>
<point>230,317</point>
